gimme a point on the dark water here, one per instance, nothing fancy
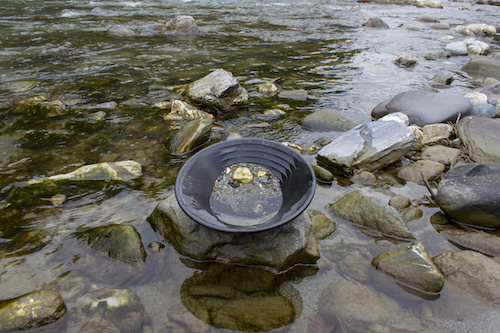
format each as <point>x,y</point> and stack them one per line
<point>59,49</point>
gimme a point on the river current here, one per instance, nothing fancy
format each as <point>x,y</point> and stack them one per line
<point>115,87</point>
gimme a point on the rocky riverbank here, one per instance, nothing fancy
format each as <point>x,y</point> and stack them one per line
<point>401,234</point>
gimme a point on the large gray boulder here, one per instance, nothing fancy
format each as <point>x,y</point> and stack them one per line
<point>424,107</point>
<point>470,194</point>
<point>472,272</point>
<point>368,147</point>
<point>219,90</point>
<point>411,266</point>
<point>278,248</point>
<point>373,213</point>
<point>32,310</point>
<point>483,67</point>
<point>480,136</point>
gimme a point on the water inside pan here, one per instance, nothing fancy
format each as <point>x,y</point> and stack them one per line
<point>246,194</point>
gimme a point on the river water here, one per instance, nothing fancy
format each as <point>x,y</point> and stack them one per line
<point>60,49</point>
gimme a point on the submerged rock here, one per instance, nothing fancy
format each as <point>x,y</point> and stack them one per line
<point>480,136</point>
<point>113,310</point>
<point>31,311</point>
<point>411,266</point>
<point>122,170</point>
<point>353,307</point>
<point>189,137</point>
<point>297,95</point>
<point>181,25</point>
<point>472,272</point>
<point>424,107</point>
<point>219,90</point>
<point>39,106</point>
<point>119,30</point>
<point>470,194</point>
<point>322,225</point>
<point>255,314</point>
<point>121,242</point>
<point>368,147</point>
<point>328,120</point>
<point>278,248</point>
<point>184,111</point>
<point>372,213</point>
<point>476,240</point>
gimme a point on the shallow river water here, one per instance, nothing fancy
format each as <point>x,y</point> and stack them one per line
<point>60,49</point>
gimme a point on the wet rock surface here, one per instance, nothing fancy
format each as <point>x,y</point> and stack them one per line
<point>123,170</point>
<point>218,90</point>
<point>191,136</point>
<point>108,100</point>
<point>471,271</point>
<point>328,120</point>
<point>423,107</point>
<point>372,213</point>
<point>278,248</point>
<point>353,306</point>
<point>368,147</point>
<point>31,311</point>
<point>411,266</point>
<point>121,242</point>
<point>470,194</point>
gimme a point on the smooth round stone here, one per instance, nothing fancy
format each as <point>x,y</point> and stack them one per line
<point>399,202</point>
<point>425,107</point>
<point>470,194</point>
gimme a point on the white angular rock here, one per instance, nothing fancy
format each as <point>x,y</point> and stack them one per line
<point>369,147</point>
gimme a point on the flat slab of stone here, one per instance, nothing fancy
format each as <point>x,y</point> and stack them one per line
<point>425,107</point>
<point>368,147</point>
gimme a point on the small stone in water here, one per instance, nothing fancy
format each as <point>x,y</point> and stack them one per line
<point>243,175</point>
<point>58,199</point>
